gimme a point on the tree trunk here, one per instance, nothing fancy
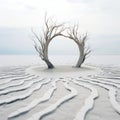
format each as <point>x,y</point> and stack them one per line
<point>81,56</point>
<point>49,64</point>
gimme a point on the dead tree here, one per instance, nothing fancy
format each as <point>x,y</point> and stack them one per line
<point>50,31</point>
<point>74,34</point>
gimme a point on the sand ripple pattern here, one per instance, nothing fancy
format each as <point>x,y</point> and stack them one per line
<point>20,91</point>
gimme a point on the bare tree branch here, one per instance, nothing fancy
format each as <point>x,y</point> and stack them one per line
<point>74,34</point>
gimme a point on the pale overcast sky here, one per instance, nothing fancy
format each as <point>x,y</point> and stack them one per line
<point>100,18</point>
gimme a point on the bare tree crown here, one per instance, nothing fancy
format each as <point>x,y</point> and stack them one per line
<point>53,29</point>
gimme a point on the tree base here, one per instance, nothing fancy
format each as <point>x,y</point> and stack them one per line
<point>49,64</point>
<point>51,67</point>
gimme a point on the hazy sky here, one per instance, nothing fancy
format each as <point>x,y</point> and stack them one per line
<point>100,18</point>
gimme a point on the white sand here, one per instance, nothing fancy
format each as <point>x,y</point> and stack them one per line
<point>29,91</point>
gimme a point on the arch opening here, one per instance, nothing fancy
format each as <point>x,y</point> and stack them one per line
<point>63,51</point>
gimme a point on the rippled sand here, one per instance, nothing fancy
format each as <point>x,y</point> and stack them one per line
<point>33,92</point>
